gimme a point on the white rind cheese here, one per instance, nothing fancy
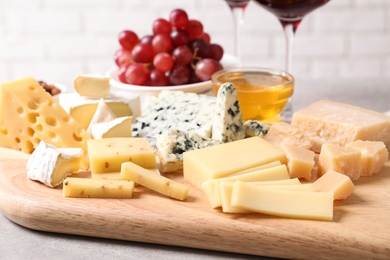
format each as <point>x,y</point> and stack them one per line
<point>51,165</point>
<point>118,127</point>
<point>102,114</point>
<point>227,123</point>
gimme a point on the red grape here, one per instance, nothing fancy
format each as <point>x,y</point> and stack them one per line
<point>122,57</point>
<point>137,74</point>
<point>147,39</point>
<point>162,26</point>
<point>162,43</point>
<point>180,37</point>
<point>200,48</point>
<point>193,77</point>
<point>194,28</point>
<point>178,18</point>
<point>182,55</point>
<point>122,73</point>
<point>179,75</point>
<point>205,36</point>
<point>163,62</point>
<point>143,52</point>
<point>206,67</point>
<point>157,78</point>
<point>128,39</point>
<point>216,51</point>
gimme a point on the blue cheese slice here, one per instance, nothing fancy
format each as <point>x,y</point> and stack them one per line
<point>51,165</point>
<point>227,123</point>
<point>172,144</point>
<point>255,128</point>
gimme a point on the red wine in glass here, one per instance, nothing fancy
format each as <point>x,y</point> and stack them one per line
<point>290,14</point>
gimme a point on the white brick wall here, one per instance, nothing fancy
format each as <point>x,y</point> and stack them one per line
<point>56,40</point>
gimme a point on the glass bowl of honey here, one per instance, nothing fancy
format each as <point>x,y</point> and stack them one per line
<point>262,93</point>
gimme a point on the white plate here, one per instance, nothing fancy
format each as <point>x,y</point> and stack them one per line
<point>228,61</point>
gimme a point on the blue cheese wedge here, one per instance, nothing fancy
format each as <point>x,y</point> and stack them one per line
<point>172,144</point>
<point>187,112</point>
<point>118,127</point>
<point>51,165</point>
<point>102,114</point>
<point>255,128</point>
<point>227,123</point>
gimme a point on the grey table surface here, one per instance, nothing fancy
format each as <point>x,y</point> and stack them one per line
<point>17,242</point>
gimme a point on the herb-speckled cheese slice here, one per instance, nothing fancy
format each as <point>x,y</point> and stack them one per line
<point>227,123</point>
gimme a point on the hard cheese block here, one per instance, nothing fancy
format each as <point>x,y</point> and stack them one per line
<point>338,183</point>
<point>224,159</point>
<point>29,114</point>
<point>340,123</point>
<point>83,109</point>
<point>107,155</point>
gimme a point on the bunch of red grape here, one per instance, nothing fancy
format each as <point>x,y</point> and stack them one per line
<point>179,52</point>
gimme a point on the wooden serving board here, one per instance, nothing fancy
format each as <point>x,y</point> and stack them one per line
<point>360,228</point>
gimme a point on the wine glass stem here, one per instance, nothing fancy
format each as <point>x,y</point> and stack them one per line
<point>289,32</point>
<point>238,19</point>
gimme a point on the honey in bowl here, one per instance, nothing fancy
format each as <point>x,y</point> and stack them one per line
<point>262,93</point>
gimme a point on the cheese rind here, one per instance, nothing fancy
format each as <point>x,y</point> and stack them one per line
<point>108,154</point>
<point>283,203</point>
<point>118,127</point>
<point>224,159</point>
<point>29,115</point>
<point>150,180</point>
<point>92,86</point>
<point>51,165</point>
<point>338,183</point>
<point>102,114</point>
<point>373,155</point>
<point>340,123</point>
<point>97,188</point>
<point>340,159</point>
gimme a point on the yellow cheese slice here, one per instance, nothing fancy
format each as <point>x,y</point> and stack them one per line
<point>283,203</point>
<point>97,188</point>
<point>29,114</point>
<point>260,167</point>
<point>224,159</point>
<point>211,187</point>
<point>92,86</point>
<point>340,184</point>
<point>150,180</point>
<point>107,155</point>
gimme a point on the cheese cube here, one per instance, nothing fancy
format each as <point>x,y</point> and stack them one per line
<point>300,161</point>
<point>340,184</point>
<point>92,86</point>
<point>340,159</point>
<point>374,155</point>
<point>95,188</point>
<point>150,180</point>
<point>340,123</point>
<point>82,109</point>
<point>29,115</point>
<point>107,155</point>
<point>282,132</point>
<point>224,159</point>
<point>282,202</point>
<point>211,187</point>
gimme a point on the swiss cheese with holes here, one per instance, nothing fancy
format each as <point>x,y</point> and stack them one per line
<point>29,114</point>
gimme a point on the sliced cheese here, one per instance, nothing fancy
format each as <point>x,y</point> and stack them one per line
<point>340,123</point>
<point>97,188</point>
<point>340,159</point>
<point>282,202</point>
<point>300,161</point>
<point>92,86</point>
<point>107,155</point>
<point>82,109</point>
<point>373,155</point>
<point>226,189</point>
<point>102,114</point>
<point>150,180</point>
<point>51,165</point>
<point>29,115</point>
<point>256,168</point>
<point>224,159</point>
<point>339,184</point>
<point>211,187</point>
<point>118,127</point>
